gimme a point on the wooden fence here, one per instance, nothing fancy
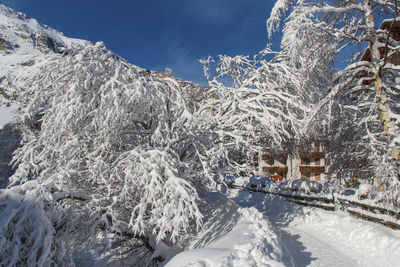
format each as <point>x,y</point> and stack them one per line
<point>337,202</point>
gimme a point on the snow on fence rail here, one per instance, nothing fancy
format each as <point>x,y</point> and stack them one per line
<point>334,202</point>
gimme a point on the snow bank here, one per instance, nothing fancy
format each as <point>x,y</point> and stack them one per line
<point>251,242</point>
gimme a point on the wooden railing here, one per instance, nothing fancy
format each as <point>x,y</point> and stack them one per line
<point>337,202</point>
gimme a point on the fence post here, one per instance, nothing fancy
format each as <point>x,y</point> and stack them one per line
<point>336,202</point>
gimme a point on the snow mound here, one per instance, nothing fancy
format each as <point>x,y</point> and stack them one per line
<point>303,185</point>
<point>366,191</point>
<point>251,242</point>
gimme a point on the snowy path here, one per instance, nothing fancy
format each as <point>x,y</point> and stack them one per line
<point>302,248</point>
<point>315,237</point>
<point>340,240</point>
<point>292,235</point>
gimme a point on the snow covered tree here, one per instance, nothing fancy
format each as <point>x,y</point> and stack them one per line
<point>366,91</point>
<point>262,103</point>
<point>267,102</point>
<point>118,146</point>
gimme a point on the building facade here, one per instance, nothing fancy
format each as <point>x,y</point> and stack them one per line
<point>308,165</point>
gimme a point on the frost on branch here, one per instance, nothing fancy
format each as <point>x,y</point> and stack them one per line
<point>124,141</point>
<point>167,201</point>
<point>275,18</point>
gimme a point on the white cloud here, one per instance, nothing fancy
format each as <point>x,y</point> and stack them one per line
<point>182,61</point>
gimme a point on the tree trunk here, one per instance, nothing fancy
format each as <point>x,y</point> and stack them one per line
<point>381,96</point>
<point>383,109</point>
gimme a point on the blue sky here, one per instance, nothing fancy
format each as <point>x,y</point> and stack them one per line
<point>156,34</point>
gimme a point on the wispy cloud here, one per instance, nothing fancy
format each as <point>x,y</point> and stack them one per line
<point>183,62</point>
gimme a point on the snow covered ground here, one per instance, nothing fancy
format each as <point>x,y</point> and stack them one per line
<point>291,235</point>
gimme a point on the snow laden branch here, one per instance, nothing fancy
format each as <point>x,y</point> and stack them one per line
<point>275,18</point>
<point>119,144</point>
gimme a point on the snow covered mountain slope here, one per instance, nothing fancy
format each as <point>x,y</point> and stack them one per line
<point>24,45</point>
<point>22,33</point>
<point>25,38</point>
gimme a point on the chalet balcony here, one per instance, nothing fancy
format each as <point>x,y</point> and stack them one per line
<point>312,169</point>
<point>312,154</point>
<point>268,156</point>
